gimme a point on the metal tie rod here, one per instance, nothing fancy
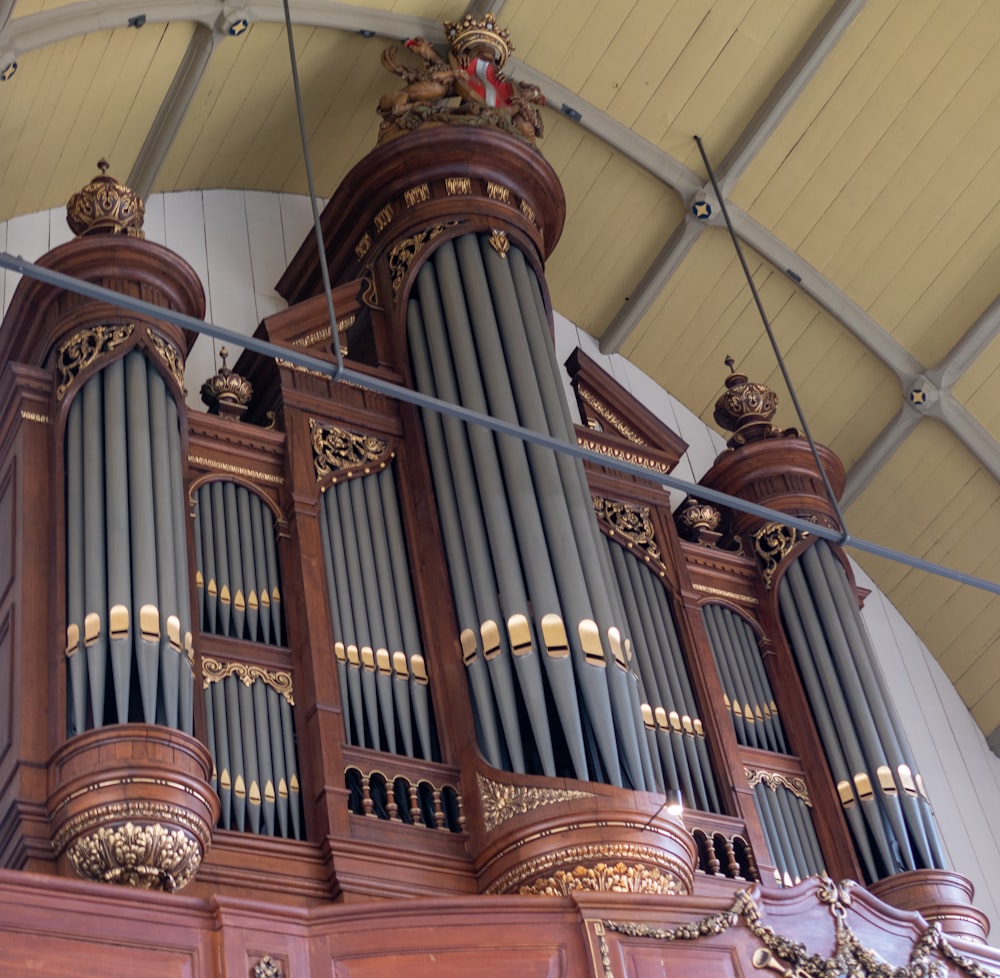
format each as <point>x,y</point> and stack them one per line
<point>404,394</point>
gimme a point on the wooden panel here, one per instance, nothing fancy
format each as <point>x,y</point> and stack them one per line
<point>8,530</point>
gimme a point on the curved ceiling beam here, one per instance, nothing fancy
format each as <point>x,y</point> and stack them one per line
<point>774,108</point>
<point>33,31</point>
<point>173,108</point>
<point>6,9</point>
<point>964,353</point>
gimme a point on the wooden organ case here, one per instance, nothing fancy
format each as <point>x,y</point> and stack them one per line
<point>382,691</point>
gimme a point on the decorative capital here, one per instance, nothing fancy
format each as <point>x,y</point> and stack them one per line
<point>772,543</point>
<point>337,449</point>
<point>106,206</point>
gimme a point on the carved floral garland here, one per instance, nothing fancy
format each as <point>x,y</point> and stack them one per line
<point>850,957</point>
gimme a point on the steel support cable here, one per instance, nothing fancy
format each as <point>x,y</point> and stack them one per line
<point>843,537</point>
<point>379,385</point>
<point>320,245</point>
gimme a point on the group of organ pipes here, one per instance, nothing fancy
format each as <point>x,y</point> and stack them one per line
<point>399,617</point>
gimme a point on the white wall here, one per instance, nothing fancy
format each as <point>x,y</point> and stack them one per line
<point>239,243</point>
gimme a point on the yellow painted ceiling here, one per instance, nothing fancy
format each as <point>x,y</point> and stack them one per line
<point>857,145</point>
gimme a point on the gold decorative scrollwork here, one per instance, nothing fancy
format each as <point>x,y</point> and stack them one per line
<point>402,255</point>
<point>775,780</point>
<point>772,543</point>
<point>86,346</point>
<point>499,242</point>
<point>613,419</point>
<point>170,355</point>
<point>336,449</point>
<point>215,670</point>
<point>503,801</point>
<point>632,523</point>
<point>850,956</point>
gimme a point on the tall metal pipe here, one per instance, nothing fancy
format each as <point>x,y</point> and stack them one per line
<point>76,658</point>
<point>121,613</point>
<point>455,551</point>
<point>225,599</point>
<point>278,762</point>
<point>248,563</point>
<point>257,525</point>
<point>95,579</point>
<point>262,734</point>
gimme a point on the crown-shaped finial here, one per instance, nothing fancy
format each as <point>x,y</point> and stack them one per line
<point>226,393</point>
<point>472,33</point>
<point>106,206</point>
<point>745,408</point>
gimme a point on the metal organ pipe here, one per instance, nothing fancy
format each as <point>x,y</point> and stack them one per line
<point>127,585</point>
<point>472,327</point>
<point>867,754</point>
<point>374,617</point>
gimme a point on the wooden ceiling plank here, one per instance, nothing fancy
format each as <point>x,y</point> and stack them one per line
<point>917,91</point>
<point>851,76</point>
<point>603,52</point>
<point>687,71</point>
<point>925,133</point>
<point>664,44</point>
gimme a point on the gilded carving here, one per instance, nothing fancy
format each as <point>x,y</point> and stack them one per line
<point>604,878</point>
<point>267,967</point>
<point>719,592</point>
<point>471,75</point>
<point>457,185</point>
<point>499,242</point>
<point>772,543</point>
<point>169,354</point>
<point>527,211</point>
<point>326,333</point>
<point>384,218</point>
<point>106,206</point>
<point>34,416</point>
<point>86,346</point>
<point>218,465</point>
<point>363,246</point>
<point>775,780</point>
<point>335,449</point>
<point>790,957</point>
<point>619,867</point>
<point>623,454</point>
<point>503,801</point>
<point>632,523</point>
<point>402,255</point>
<point>613,419</point>
<point>215,670</point>
<point>418,194</point>
<point>150,857</point>
<point>497,191</point>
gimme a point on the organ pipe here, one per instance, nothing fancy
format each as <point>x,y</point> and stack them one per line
<point>249,709</point>
<point>127,585</point>
<point>379,660</point>
<point>866,751</point>
<point>476,330</point>
<point>239,574</point>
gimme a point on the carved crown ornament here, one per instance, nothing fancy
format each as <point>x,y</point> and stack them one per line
<point>791,958</point>
<point>746,408</point>
<point>106,206</point>
<point>226,392</point>
<point>466,89</point>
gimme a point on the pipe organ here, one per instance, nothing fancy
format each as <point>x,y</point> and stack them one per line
<point>447,674</point>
